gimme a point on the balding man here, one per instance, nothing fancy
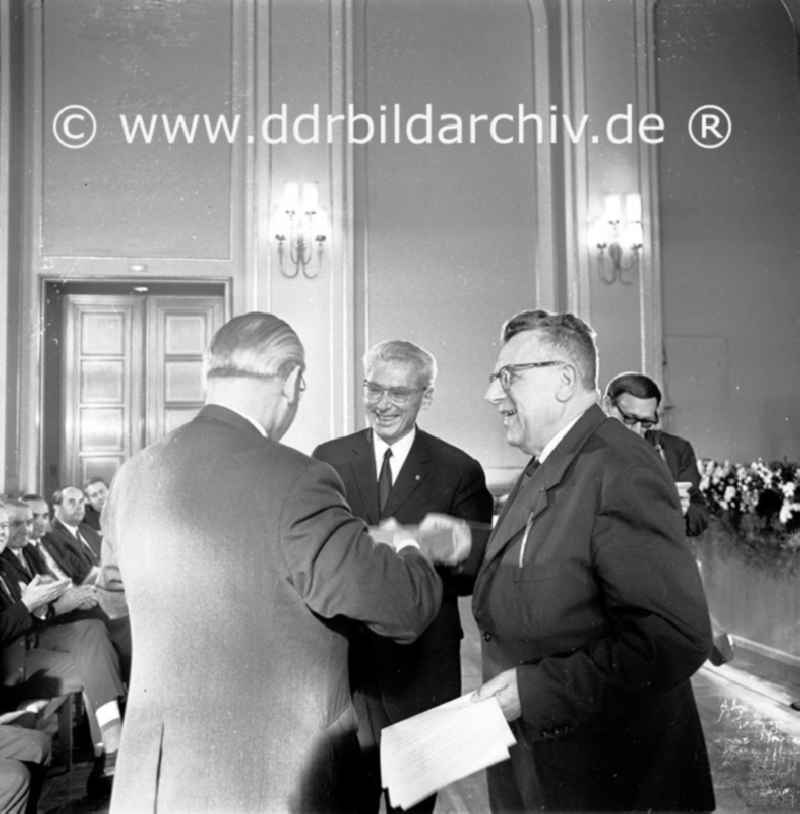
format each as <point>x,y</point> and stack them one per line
<point>244,570</point>
<point>588,600</point>
<point>73,544</point>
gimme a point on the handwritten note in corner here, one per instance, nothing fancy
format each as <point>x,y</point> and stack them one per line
<point>429,751</point>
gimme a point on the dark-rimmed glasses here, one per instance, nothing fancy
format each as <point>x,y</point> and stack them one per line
<point>632,420</point>
<point>507,373</point>
<point>397,395</point>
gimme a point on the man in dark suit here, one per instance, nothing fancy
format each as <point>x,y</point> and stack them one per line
<point>67,549</point>
<point>73,544</point>
<point>395,470</point>
<point>45,655</point>
<point>96,491</point>
<point>634,399</point>
<point>588,600</point>
<point>244,569</point>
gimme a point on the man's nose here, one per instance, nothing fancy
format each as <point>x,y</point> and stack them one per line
<point>494,393</point>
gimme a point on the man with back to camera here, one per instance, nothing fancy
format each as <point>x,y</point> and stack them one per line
<point>244,570</point>
<point>395,470</point>
<point>589,603</point>
<point>634,399</point>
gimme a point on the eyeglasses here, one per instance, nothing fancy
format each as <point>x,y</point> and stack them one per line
<point>397,395</point>
<point>507,373</point>
<point>632,420</point>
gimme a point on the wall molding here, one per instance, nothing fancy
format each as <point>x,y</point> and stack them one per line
<point>576,161</point>
<point>650,292</point>
<point>5,206</point>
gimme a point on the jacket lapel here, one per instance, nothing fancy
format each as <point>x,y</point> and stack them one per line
<point>13,567</point>
<point>362,469</point>
<point>415,471</point>
<point>531,498</point>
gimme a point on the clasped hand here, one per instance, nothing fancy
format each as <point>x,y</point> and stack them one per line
<point>442,539</point>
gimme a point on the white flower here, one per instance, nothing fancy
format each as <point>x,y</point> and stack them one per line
<point>787,510</point>
<point>730,493</point>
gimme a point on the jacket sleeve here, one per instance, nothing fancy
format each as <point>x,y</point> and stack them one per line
<point>15,619</point>
<point>338,570</point>
<point>697,514</point>
<point>657,632</point>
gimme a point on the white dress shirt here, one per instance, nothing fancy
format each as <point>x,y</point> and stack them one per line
<point>400,450</point>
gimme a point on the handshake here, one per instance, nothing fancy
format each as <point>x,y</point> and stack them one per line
<point>444,540</point>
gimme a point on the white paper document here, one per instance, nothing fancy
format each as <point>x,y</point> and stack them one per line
<point>435,748</point>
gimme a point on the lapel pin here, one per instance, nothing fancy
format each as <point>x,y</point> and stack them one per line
<point>417,477</point>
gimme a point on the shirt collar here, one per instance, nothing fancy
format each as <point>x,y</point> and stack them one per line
<point>400,449</point>
<point>249,419</point>
<point>73,530</point>
<point>557,439</point>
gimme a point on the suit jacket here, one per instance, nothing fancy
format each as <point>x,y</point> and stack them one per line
<point>16,622</point>
<point>680,459</point>
<point>589,589</point>
<point>436,477</point>
<point>241,563</point>
<point>70,555</point>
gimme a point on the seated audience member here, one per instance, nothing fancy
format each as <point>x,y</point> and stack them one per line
<point>43,656</point>
<point>73,545</point>
<point>23,755</point>
<point>634,399</point>
<point>31,557</point>
<point>96,491</point>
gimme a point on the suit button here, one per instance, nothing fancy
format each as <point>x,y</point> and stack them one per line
<point>487,637</point>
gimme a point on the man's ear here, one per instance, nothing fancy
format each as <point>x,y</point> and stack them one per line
<point>427,398</point>
<point>289,389</point>
<point>568,382</point>
<point>607,406</point>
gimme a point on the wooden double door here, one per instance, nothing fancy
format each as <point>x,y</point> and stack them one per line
<point>131,371</point>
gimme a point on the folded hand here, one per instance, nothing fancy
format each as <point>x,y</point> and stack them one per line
<point>444,539</point>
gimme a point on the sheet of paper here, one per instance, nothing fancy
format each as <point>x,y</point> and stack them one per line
<point>429,751</point>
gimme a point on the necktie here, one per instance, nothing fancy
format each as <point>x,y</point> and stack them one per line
<point>385,481</point>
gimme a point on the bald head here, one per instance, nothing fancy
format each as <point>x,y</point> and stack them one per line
<point>69,505</point>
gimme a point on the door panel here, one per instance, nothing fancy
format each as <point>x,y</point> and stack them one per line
<point>131,372</point>
<point>179,329</point>
<point>102,384</point>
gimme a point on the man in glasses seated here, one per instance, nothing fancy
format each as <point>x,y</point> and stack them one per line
<point>634,399</point>
<point>395,470</point>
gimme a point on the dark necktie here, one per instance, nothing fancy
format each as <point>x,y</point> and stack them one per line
<point>385,481</point>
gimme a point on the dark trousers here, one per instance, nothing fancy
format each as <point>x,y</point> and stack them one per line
<point>391,683</point>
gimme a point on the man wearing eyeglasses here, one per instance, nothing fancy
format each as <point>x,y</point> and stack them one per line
<point>634,399</point>
<point>394,470</point>
<point>589,603</point>
<point>243,568</point>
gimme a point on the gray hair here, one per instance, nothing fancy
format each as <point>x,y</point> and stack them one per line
<point>255,345</point>
<point>566,332</point>
<point>402,351</point>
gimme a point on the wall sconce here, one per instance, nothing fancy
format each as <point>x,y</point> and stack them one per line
<point>617,235</point>
<point>301,231</point>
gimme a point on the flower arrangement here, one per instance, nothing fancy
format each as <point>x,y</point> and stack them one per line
<point>760,501</point>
